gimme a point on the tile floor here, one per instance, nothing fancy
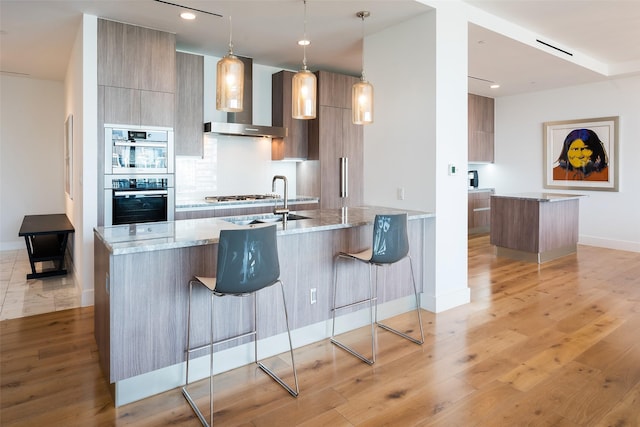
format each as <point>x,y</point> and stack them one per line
<point>20,297</point>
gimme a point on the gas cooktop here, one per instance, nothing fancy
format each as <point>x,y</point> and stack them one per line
<point>244,197</point>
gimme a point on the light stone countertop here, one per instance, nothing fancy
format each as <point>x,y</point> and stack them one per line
<point>541,197</point>
<point>155,236</point>
<point>201,204</point>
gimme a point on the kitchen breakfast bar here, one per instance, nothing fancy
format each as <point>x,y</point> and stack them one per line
<point>142,273</point>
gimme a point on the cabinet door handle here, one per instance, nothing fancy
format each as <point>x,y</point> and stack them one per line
<point>344,174</point>
<point>481,209</point>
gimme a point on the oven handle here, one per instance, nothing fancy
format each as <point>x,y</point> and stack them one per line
<point>140,144</point>
<point>140,193</point>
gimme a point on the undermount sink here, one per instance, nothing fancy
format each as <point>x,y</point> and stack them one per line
<point>263,219</point>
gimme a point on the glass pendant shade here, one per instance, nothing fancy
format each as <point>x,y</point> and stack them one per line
<point>303,95</point>
<point>362,102</point>
<point>230,84</point>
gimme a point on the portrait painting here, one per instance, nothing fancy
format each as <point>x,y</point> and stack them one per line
<point>581,154</point>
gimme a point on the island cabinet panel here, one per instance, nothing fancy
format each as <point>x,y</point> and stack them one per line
<point>534,229</point>
<point>140,322</point>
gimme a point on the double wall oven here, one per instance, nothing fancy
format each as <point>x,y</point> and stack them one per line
<point>139,183</point>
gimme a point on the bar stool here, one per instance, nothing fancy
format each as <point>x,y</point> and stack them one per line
<point>247,263</point>
<point>390,245</point>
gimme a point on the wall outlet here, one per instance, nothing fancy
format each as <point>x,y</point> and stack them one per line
<point>400,193</point>
<point>313,294</point>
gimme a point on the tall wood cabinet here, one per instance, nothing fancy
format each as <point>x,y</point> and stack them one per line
<point>189,104</point>
<point>481,129</point>
<point>137,73</point>
<point>295,144</point>
<point>333,136</point>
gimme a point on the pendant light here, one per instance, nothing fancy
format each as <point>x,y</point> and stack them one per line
<point>303,90</point>
<point>362,92</point>
<point>230,80</point>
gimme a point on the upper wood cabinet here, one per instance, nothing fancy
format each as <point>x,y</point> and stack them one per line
<point>189,104</point>
<point>137,74</point>
<point>332,135</point>
<point>481,129</point>
<point>295,144</point>
<point>335,89</point>
<point>135,57</point>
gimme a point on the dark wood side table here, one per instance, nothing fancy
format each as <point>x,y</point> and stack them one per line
<point>46,238</point>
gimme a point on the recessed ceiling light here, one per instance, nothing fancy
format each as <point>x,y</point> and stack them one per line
<point>304,42</point>
<point>494,86</point>
<point>188,16</point>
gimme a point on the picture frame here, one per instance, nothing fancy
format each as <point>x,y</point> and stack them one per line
<point>68,156</point>
<point>581,154</point>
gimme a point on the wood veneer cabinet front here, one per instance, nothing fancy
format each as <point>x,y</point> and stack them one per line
<point>534,230</point>
<point>332,135</point>
<point>189,105</point>
<point>479,214</point>
<point>295,144</point>
<point>481,128</point>
<point>135,57</point>
<point>141,313</point>
<point>136,70</point>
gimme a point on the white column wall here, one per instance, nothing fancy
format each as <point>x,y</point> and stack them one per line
<point>419,73</point>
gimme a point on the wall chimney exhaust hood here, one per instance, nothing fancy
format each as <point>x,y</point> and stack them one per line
<point>240,124</point>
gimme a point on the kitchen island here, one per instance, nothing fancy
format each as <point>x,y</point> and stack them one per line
<point>535,227</point>
<point>141,290</point>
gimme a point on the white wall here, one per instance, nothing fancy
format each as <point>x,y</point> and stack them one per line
<point>608,219</point>
<point>32,119</point>
<point>233,164</point>
<point>419,73</point>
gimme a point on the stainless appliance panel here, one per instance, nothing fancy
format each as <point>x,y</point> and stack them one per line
<point>134,150</point>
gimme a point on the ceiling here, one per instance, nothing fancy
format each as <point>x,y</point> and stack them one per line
<point>36,36</point>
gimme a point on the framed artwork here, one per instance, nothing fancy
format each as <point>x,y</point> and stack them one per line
<point>581,154</point>
<point>68,156</point>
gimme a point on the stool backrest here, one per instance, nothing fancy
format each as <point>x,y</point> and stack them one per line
<point>247,260</point>
<point>390,240</point>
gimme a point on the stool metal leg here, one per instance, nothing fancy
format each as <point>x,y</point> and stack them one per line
<point>370,300</point>
<point>268,371</point>
<point>397,332</point>
<point>185,392</point>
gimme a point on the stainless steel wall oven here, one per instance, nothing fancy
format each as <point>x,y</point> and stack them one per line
<point>137,199</point>
<point>138,175</point>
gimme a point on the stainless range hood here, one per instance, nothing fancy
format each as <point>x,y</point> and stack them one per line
<point>241,124</point>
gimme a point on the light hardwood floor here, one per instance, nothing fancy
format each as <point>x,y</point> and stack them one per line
<point>553,344</point>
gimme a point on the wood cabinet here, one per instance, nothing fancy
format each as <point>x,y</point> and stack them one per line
<point>136,69</point>
<point>189,105</point>
<point>481,129</point>
<point>333,136</point>
<point>295,144</point>
<point>479,214</point>
<point>135,57</point>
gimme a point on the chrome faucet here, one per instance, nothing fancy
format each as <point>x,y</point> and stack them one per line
<point>285,208</point>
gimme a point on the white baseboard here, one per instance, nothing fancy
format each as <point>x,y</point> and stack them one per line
<point>13,246</point>
<point>442,302</point>
<point>621,245</point>
<point>161,380</point>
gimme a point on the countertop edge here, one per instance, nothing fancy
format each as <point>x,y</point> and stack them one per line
<point>208,229</point>
<point>541,197</point>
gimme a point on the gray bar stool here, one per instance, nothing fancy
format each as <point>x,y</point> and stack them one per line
<point>247,263</point>
<point>390,245</point>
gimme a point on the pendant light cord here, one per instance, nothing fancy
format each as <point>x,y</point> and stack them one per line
<point>363,15</point>
<point>230,36</point>
<point>305,42</point>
